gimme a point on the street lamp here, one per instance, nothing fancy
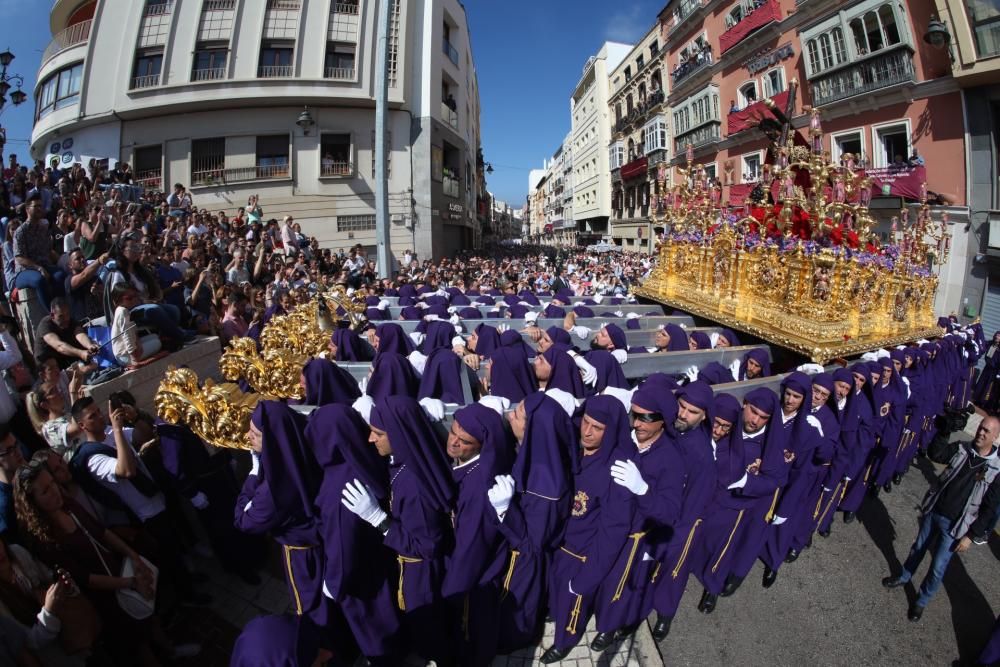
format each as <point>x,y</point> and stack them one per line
<point>18,97</point>
<point>937,35</point>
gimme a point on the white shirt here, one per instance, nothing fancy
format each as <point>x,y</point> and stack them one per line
<point>197,230</point>
<point>123,345</point>
<point>102,468</point>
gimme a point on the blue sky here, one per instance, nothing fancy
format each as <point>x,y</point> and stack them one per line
<point>529,55</point>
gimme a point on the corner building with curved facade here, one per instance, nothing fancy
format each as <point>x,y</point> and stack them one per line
<point>208,93</point>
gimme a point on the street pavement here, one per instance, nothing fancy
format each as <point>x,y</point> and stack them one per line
<point>829,607</point>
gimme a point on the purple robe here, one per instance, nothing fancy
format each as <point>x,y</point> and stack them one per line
<point>511,376</point>
<point>583,311</point>
<point>890,402</point>
<point>487,340</point>
<point>597,530</point>
<point>858,434</point>
<point>357,567</point>
<point>533,526</point>
<point>553,311</point>
<point>760,356</point>
<point>276,641</point>
<point>349,346</point>
<point>564,374</point>
<point>392,375</point>
<point>326,383</point>
<point>442,378</point>
<point>609,371</point>
<point>392,338</point>
<point>715,373</point>
<point>702,340</point>
<point>678,338</point>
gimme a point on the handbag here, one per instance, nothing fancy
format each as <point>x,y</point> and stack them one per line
<point>132,602</point>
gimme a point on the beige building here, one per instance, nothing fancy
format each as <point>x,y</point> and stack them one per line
<point>276,98</point>
<point>591,134</point>
<point>640,141</point>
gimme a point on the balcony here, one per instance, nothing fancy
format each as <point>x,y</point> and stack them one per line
<point>634,169</point>
<point>274,71</point>
<point>340,73</point>
<point>218,5</point>
<point>683,11</point>
<point>701,62</point>
<point>345,8</point>
<point>746,118</point>
<point>149,179</point>
<point>209,74</point>
<point>449,115</point>
<point>76,34</point>
<point>147,81</point>
<point>450,186</point>
<point>158,9</point>
<point>758,18</point>
<point>334,169</point>
<point>875,73</point>
<point>702,136</point>
<point>449,51</point>
<point>210,174</point>
<point>641,111</point>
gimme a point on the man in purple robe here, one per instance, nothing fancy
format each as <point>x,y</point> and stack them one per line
<point>417,526</point>
<point>511,376</point>
<point>480,450</point>
<point>752,471</point>
<point>325,382</point>
<point>392,375</point>
<point>597,529</point>
<point>277,641</point>
<point>890,402</point>
<point>278,498</point>
<point>533,504</point>
<point>354,577</point>
<point>847,481</point>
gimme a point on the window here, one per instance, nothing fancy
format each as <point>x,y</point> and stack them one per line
<point>710,171</point>
<point>617,153</point>
<point>826,50</point>
<point>751,168</point>
<point>891,144</point>
<point>208,161</point>
<point>774,82</point>
<point>734,16</point>
<point>272,156</point>
<point>335,155</point>
<point>747,94</point>
<point>655,135</point>
<point>654,48</point>
<point>209,62</point>
<point>148,163</point>
<point>848,142</point>
<point>984,18</point>
<point>639,62</point>
<point>147,69</point>
<point>59,90</point>
<point>628,73</point>
<point>275,60</point>
<point>355,223</point>
<point>875,30</point>
<point>339,61</point>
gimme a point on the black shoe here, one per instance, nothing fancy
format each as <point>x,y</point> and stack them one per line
<point>554,655</point>
<point>893,582</point>
<point>896,479</point>
<point>602,642</point>
<point>626,631</point>
<point>662,627</point>
<point>707,603</point>
<point>732,585</point>
<point>916,611</point>
<point>792,556</point>
<point>887,487</point>
<point>824,533</point>
<point>769,577</point>
<point>849,517</point>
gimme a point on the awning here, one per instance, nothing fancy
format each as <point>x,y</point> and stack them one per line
<point>634,169</point>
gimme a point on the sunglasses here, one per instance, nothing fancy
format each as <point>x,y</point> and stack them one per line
<point>646,417</point>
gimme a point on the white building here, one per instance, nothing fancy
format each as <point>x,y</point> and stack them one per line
<point>275,97</point>
<point>591,136</point>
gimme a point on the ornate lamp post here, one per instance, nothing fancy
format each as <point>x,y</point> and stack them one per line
<point>18,97</point>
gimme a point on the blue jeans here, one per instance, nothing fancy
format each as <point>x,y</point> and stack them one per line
<point>45,289</point>
<point>163,317</point>
<point>932,526</point>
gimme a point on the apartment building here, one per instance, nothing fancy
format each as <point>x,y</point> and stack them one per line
<point>277,98</point>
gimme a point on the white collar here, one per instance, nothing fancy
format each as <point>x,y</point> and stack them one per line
<point>841,403</point>
<point>787,418</point>
<point>472,460</point>
<point>747,436</point>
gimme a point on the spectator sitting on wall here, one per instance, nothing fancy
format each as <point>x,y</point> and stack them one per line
<point>62,337</point>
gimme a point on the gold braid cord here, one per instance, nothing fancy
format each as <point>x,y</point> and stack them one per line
<point>218,414</point>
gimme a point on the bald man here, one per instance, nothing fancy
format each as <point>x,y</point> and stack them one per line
<point>960,507</point>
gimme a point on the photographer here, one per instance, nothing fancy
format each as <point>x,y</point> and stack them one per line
<point>959,509</point>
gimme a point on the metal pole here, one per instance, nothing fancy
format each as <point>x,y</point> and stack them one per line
<point>384,253</point>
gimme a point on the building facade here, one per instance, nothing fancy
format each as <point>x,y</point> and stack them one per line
<point>277,98</point>
<point>591,130</point>
<point>640,142</point>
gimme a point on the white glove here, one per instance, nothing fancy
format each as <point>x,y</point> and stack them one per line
<point>580,332</point>
<point>713,338</point>
<point>200,501</point>
<point>364,405</point>
<point>778,520</point>
<point>458,341</point>
<point>815,423</point>
<point>525,304</point>
<point>598,298</point>
<point>503,328</point>
<point>734,368</point>
<point>501,493</point>
<point>740,484</point>
<point>650,349</point>
<point>433,407</point>
<point>254,463</point>
<point>421,305</point>
<point>619,313</point>
<point>692,373</point>
<point>623,395</point>
<point>531,318</point>
<point>498,404</point>
<point>869,356</point>
<point>452,310</point>
<point>455,319</point>
<point>810,369</point>
<point>621,356</point>
<point>418,360</point>
<point>383,304</point>
<point>632,316</point>
<point>587,369</point>
<point>565,400</point>
<point>416,337</point>
<point>626,473</point>
<point>359,499</point>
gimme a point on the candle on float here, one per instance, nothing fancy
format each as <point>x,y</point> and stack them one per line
<point>689,153</point>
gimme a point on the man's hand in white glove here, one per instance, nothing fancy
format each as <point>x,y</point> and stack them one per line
<point>692,373</point>
<point>626,473</point>
<point>621,356</point>
<point>580,332</point>
<point>740,483</point>
<point>815,423</point>
<point>416,337</point>
<point>498,404</point>
<point>778,520</point>
<point>530,318</point>
<point>587,370</point>
<point>734,368</point>
<point>619,313</point>
<point>501,493</point>
<point>433,407</point>
<point>359,499</point>
<point>364,404</point>
<point>254,463</point>
<point>418,360</point>
<point>503,328</point>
